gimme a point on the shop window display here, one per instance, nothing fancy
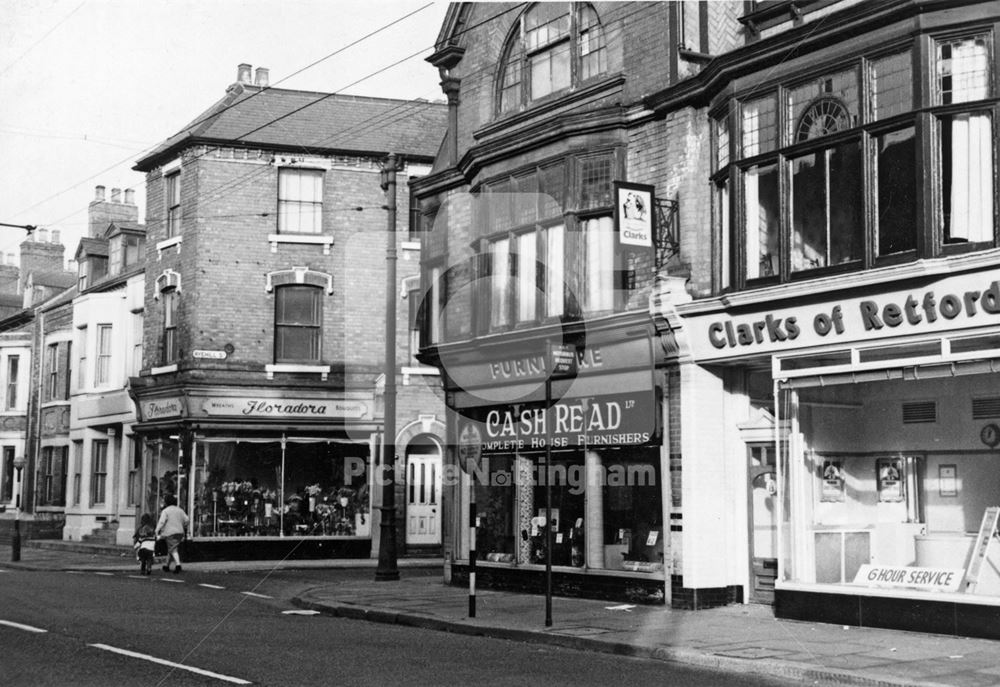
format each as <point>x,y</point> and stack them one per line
<point>495,509</point>
<point>246,489</point>
<point>879,503</point>
<point>632,510</point>
<point>568,486</point>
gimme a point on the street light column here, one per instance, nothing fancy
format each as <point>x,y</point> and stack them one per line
<point>15,541</point>
<point>387,570</point>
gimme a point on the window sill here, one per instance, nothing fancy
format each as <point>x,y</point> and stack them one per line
<point>167,243</point>
<point>325,239</point>
<point>321,370</point>
<point>163,369</point>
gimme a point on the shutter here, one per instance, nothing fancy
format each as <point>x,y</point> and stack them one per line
<point>984,408</point>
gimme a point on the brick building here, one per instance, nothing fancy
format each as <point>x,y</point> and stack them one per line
<point>839,336</point>
<point>823,317</point>
<point>258,396</point>
<point>551,151</point>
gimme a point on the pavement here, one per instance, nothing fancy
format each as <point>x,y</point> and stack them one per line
<point>739,638</point>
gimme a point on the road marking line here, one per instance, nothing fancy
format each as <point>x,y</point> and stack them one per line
<point>259,596</point>
<point>301,612</point>
<point>19,626</point>
<point>181,666</point>
<point>138,577</point>
<point>104,574</point>
<point>210,586</point>
<point>167,579</point>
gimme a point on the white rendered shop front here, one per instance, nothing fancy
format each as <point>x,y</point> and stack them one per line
<point>885,426</point>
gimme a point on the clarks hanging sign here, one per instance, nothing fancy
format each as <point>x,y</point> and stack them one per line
<point>948,304</point>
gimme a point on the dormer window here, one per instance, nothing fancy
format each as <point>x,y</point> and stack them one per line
<point>554,46</point>
<point>124,252</point>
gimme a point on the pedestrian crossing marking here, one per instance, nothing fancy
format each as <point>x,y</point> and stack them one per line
<point>259,596</point>
<point>210,586</point>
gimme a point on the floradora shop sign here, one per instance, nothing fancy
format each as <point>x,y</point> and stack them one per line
<point>245,406</point>
<point>948,304</point>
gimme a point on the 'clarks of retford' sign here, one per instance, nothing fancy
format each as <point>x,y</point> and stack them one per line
<point>248,406</point>
<point>971,300</point>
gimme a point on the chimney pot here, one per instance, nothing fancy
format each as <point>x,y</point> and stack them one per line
<point>116,195</point>
<point>11,259</point>
<point>99,192</point>
<point>243,73</point>
<point>43,235</point>
<point>261,77</point>
<point>130,196</point>
<point>55,236</point>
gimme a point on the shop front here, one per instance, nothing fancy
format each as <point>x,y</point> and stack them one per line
<point>263,476</point>
<point>578,457</point>
<point>886,424</point>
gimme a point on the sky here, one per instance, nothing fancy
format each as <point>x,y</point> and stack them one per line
<point>88,86</point>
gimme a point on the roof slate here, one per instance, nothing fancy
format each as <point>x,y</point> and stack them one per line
<point>311,121</point>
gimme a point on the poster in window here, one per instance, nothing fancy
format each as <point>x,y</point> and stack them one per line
<point>833,481</point>
<point>890,479</point>
<point>948,480</point>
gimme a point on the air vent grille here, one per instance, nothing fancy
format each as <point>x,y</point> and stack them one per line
<point>983,408</point>
<point>919,411</point>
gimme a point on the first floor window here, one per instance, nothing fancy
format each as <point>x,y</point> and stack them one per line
<point>599,264</point>
<point>170,348</point>
<point>99,472</point>
<point>827,220</point>
<point>967,177</point>
<point>81,369</point>
<point>103,374</point>
<point>297,324</point>
<point>13,363</point>
<point>173,202</point>
<point>897,191</point>
<point>499,251</point>
<point>761,208</point>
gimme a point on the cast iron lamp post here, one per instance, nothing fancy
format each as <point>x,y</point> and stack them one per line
<point>15,542</point>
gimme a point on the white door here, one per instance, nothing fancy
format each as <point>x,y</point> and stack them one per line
<point>423,497</point>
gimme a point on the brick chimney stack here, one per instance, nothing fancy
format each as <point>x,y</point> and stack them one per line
<point>38,254</point>
<point>102,212</point>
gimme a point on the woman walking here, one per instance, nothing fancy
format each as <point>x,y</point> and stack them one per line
<point>171,527</point>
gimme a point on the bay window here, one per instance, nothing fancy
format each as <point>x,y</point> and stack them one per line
<point>823,175</point>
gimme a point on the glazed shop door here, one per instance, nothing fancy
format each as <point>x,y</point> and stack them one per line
<point>423,495</point>
<point>763,499</point>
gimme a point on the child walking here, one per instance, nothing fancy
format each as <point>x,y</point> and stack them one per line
<point>144,543</point>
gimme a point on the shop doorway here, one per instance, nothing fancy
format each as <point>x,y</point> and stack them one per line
<point>423,493</point>
<point>763,500</point>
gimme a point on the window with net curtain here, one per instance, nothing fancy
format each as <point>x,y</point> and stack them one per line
<point>548,52</point>
<point>966,140</point>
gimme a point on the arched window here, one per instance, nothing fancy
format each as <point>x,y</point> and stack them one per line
<point>297,323</point>
<point>548,52</point>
